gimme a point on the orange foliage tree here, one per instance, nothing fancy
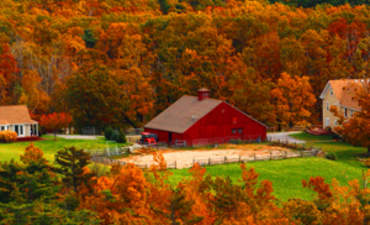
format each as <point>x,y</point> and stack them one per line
<point>8,69</point>
<point>292,99</point>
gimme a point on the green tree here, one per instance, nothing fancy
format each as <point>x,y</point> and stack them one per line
<point>72,166</point>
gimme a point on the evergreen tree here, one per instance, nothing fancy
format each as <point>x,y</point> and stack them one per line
<point>72,163</point>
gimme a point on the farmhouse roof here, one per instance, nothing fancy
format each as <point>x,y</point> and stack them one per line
<point>345,90</point>
<point>15,114</point>
<point>184,113</point>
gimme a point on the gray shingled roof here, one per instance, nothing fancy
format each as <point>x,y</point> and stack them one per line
<point>182,114</point>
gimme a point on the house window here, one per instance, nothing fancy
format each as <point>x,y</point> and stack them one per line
<point>345,112</point>
<point>16,129</point>
<point>335,122</point>
<point>21,131</point>
<point>2,128</point>
<point>327,106</point>
<point>331,92</point>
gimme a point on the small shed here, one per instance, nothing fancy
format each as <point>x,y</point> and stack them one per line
<point>201,120</point>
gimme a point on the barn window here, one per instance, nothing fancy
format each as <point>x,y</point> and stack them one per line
<point>234,131</point>
<point>240,130</point>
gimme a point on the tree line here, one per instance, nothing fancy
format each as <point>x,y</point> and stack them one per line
<point>120,62</point>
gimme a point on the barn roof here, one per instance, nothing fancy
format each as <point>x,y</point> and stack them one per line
<point>345,90</point>
<point>14,114</point>
<point>184,113</point>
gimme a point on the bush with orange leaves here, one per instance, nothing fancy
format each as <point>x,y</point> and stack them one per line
<point>8,136</point>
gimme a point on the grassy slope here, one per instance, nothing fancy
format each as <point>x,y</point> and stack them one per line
<point>345,153</point>
<point>50,147</point>
<point>287,175</point>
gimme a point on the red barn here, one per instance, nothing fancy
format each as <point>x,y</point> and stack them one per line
<point>202,120</point>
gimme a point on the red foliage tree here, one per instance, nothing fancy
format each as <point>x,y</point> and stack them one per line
<point>55,121</point>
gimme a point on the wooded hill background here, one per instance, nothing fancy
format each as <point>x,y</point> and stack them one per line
<point>120,62</point>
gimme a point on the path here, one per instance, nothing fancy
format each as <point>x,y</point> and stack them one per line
<point>79,137</point>
<point>284,137</point>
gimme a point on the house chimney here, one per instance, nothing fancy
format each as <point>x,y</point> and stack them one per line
<point>203,93</point>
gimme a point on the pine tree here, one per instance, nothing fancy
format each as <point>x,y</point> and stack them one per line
<point>72,163</point>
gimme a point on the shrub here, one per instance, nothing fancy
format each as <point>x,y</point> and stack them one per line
<point>8,136</point>
<point>121,138</point>
<point>115,135</point>
<point>108,131</point>
<point>331,156</point>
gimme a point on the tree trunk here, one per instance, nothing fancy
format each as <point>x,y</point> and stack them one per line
<point>368,150</point>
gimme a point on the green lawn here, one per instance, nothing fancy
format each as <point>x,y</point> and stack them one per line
<point>310,138</point>
<point>287,175</point>
<point>50,147</point>
<point>345,152</point>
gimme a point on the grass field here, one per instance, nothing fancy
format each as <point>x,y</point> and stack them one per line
<point>287,175</point>
<point>50,147</point>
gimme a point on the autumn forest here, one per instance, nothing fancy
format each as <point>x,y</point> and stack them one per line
<point>115,64</point>
<point>120,62</point>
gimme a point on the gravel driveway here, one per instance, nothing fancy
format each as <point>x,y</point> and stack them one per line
<point>79,137</point>
<point>284,137</point>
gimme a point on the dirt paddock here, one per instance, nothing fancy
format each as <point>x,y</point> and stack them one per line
<point>186,158</point>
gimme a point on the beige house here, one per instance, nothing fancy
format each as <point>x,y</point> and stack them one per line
<point>342,94</point>
<point>17,118</point>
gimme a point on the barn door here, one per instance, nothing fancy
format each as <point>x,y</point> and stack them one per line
<point>169,137</point>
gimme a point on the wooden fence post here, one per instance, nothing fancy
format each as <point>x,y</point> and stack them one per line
<point>270,155</point>
<point>254,156</point>
<point>175,164</point>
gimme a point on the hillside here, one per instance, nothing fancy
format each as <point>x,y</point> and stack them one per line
<point>117,62</point>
